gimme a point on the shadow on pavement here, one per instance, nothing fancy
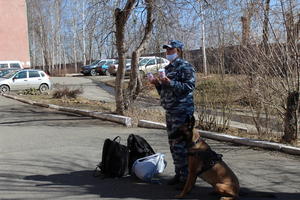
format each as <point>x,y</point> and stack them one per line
<point>130,187</point>
<point>126,187</point>
<point>20,115</point>
<point>103,86</point>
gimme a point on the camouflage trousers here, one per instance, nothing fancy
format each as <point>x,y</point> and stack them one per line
<point>178,148</point>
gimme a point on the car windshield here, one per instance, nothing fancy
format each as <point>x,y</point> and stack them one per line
<point>102,62</point>
<point>9,74</point>
<point>95,62</point>
<point>144,61</point>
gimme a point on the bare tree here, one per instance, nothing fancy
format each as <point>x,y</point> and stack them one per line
<point>135,84</point>
<point>121,18</point>
<point>292,74</point>
<point>266,25</point>
<point>277,77</point>
<point>246,21</point>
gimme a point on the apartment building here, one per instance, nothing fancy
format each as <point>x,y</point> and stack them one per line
<point>14,44</point>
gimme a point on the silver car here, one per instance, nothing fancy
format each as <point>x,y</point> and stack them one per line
<point>149,64</point>
<point>4,71</point>
<point>25,79</point>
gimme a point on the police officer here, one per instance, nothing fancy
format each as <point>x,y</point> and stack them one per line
<point>176,97</point>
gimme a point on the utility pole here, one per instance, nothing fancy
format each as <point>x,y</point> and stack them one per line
<point>203,39</point>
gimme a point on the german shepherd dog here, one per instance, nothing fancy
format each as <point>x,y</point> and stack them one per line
<point>207,164</point>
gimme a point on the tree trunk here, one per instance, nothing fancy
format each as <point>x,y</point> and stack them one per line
<point>121,17</point>
<point>266,26</point>
<point>135,84</point>
<point>135,81</point>
<point>291,118</point>
<point>203,41</point>
<point>245,30</point>
<point>83,32</point>
<point>121,69</point>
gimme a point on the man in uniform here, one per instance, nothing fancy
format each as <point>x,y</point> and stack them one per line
<point>176,96</point>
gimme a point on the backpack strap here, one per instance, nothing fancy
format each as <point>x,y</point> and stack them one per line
<point>97,171</point>
<point>118,137</point>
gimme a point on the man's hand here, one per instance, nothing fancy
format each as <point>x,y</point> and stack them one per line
<point>165,80</point>
<point>154,81</point>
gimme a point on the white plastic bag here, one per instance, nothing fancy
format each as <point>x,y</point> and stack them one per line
<point>146,168</point>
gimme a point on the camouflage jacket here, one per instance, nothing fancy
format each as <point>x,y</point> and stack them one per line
<point>178,95</point>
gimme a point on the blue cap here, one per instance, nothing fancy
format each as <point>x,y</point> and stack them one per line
<point>173,44</point>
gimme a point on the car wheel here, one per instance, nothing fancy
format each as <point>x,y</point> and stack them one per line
<point>93,72</point>
<point>43,88</point>
<point>4,89</point>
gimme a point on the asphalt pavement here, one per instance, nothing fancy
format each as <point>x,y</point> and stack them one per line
<point>46,154</point>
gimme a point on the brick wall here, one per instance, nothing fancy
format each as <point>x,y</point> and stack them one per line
<point>14,43</point>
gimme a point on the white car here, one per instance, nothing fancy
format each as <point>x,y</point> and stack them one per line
<point>11,64</point>
<point>150,64</point>
<point>25,79</point>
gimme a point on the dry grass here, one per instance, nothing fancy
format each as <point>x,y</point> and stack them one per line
<point>236,132</point>
<point>138,113</point>
<point>148,89</point>
<point>217,91</point>
<point>78,102</point>
<point>67,93</point>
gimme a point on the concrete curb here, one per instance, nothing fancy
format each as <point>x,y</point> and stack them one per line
<point>232,139</point>
<point>150,124</point>
<point>127,121</point>
<point>251,142</point>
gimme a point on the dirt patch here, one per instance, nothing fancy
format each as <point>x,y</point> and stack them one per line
<point>78,102</point>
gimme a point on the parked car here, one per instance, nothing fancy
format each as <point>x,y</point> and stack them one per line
<point>103,69</point>
<point>4,71</point>
<point>112,69</point>
<point>90,69</point>
<point>149,64</point>
<point>25,79</point>
<point>11,64</point>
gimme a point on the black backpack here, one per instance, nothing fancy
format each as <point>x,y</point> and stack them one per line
<point>138,148</point>
<point>114,161</point>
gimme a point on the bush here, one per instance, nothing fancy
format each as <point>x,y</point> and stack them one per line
<point>31,91</point>
<point>65,92</point>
